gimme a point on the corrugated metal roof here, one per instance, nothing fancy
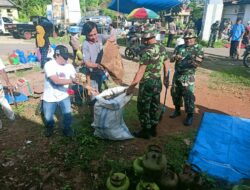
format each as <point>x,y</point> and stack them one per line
<point>7,3</point>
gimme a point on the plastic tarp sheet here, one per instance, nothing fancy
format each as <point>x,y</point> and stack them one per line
<point>222,147</point>
<point>126,6</point>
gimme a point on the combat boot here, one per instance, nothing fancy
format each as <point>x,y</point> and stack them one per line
<point>144,134</point>
<point>153,131</point>
<point>189,119</point>
<point>176,113</point>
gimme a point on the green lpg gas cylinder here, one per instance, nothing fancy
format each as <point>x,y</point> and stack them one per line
<point>117,181</point>
<point>147,186</point>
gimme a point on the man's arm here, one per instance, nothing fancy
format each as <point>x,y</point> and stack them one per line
<point>56,80</point>
<point>166,65</point>
<point>137,78</point>
<point>90,64</point>
<point>5,77</point>
<point>166,73</point>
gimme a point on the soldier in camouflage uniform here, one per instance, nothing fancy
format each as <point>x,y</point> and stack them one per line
<point>154,56</point>
<point>187,57</point>
<point>214,31</point>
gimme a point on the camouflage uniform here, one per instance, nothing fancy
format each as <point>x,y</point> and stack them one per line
<point>148,101</point>
<point>214,30</point>
<point>184,76</point>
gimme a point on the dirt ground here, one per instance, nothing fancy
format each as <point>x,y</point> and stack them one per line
<point>22,143</point>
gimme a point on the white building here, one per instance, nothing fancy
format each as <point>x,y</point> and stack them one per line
<point>65,11</point>
<point>234,9</point>
<point>8,9</point>
<point>212,12</point>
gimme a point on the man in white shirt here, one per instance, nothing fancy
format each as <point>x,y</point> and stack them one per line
<point>58,75</point>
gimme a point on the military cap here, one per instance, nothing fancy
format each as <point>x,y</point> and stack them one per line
<point>149,31</point>
<point>190,33</point>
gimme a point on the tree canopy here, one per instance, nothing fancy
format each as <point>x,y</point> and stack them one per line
<point>31,8</point>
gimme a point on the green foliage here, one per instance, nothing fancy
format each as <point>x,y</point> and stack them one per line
<point>109,12</point>
<point>218,43</point>
<point>203,43</point>
<point>197,10</point>
<point>31,8</point>
<point>234,76</point>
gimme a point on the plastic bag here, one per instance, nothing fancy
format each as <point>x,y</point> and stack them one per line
<point>108,114</point>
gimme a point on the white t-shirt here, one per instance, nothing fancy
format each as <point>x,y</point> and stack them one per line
<point>53,92</point>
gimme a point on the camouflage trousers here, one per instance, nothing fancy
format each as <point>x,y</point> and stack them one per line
<point>148,102</point>
<point>212,39</point>
<point>183,87</point>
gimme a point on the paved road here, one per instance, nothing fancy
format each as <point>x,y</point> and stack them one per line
<point>8,44</point>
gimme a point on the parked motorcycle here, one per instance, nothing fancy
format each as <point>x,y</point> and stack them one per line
<point>134,46</point>
<point>246,57</point>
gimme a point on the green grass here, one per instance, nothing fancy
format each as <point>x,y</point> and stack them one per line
<point>78,152</point>
<point>220,43</point>
<point>63,40</point>
<point>178,147</point>
<point>130,111</point>
<point>234,76</point>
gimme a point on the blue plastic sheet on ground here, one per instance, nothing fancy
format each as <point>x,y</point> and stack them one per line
<point>222,147</point>
<point>19,97</point>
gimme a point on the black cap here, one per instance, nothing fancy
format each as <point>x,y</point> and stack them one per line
<point>62,51</point>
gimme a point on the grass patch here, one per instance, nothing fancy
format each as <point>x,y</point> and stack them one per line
<point>78,152</point>
<point>220,43</point>
<point>63,40</point>
<point>178,147</point>
<point>233,76</point>
<point>130,111</point>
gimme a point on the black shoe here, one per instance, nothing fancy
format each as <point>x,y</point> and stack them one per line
<point>175,114</point>
<point>48,132</point>
<point>153,131</point>
<point>189,119</point>
<point>68,132</point>
<point>144,133</point>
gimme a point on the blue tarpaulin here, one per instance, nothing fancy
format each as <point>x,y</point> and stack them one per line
<point>126,6</point>
<point>222,147</point>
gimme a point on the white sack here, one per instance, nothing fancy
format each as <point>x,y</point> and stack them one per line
<point>108,115</point>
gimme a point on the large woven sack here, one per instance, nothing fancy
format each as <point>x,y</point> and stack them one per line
<point>112,62</point>
<point>108,114</point>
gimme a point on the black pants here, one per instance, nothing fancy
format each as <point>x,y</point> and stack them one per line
<point>170,39</point>
<point>233,48</point>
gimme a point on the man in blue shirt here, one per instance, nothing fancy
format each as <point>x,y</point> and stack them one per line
<point>236,35</point>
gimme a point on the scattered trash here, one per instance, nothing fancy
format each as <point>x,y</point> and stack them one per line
<point>187,142</point>
<point>28,142</point>
<point>8,164</point>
